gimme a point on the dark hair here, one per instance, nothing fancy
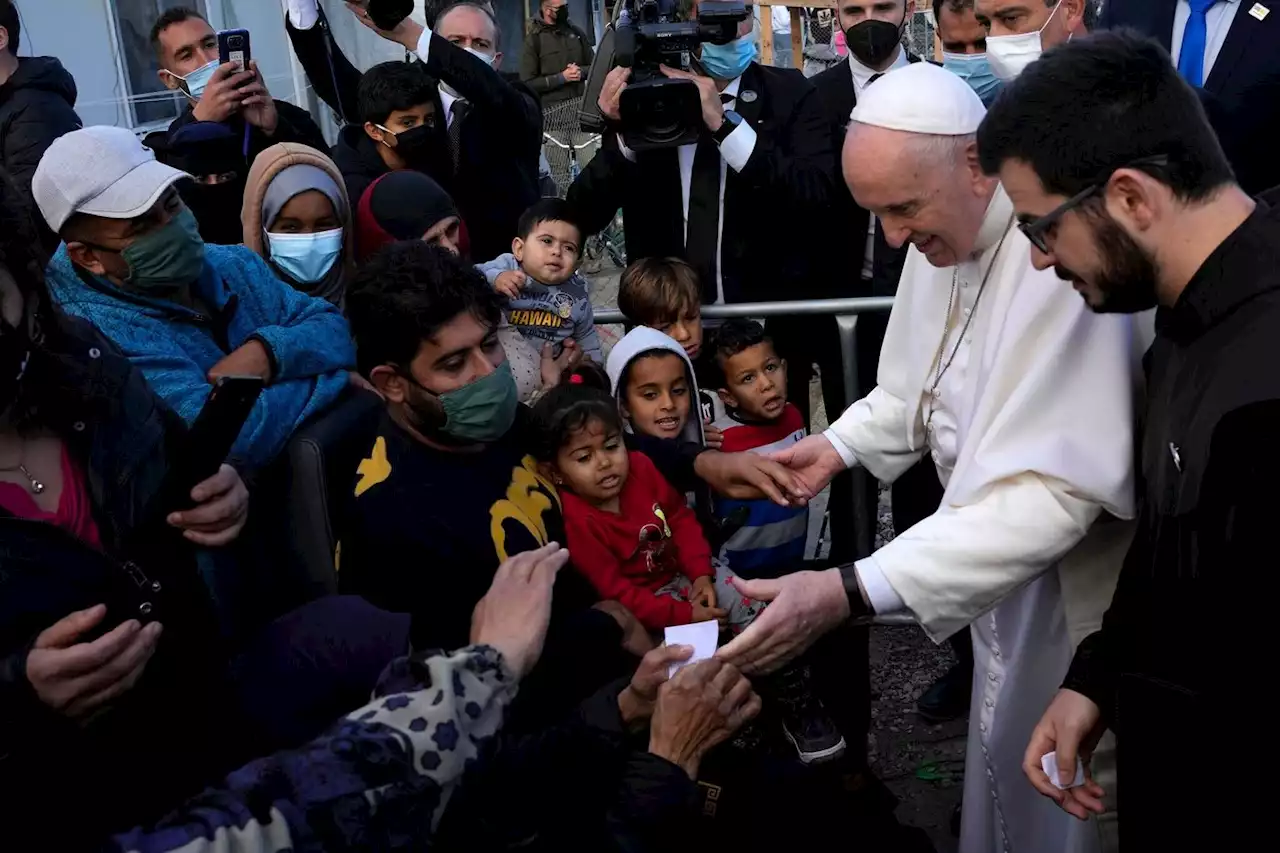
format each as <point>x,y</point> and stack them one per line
<point>479,6</point>
<point>1096,104</point>
<point>11,21</point>
<point>391,86</point>
<point>550,209</point>
<point>957,6</point>
<point>731,338</point>
<point>168,18</point>
<point>581,397</point>
<point>657,291</point>
<point>405,293</point>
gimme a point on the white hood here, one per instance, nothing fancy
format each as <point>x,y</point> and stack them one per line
<point>640,340</point>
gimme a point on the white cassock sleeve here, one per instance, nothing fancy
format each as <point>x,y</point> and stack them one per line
<point>1048,448</point>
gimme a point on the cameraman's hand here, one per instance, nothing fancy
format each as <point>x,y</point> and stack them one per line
<point>224,96</point>
<point>712,107</point>
<point>610,101</point>
<point>572,73</point>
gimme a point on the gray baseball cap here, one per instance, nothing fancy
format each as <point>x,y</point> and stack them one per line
<point>101,171</point>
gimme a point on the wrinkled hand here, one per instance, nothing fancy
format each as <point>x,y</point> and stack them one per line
<point>712,106</point>
<point>750,476</point>
<point>510,283</point>
<point>77,679</point>
<point>804,606</point>
<point>635,637</point>
<point>407,33</point>
<point>220,513</point>
<point>514,614</point>
<point>259,107</point>
<point>610,100</point>
<point>814,461</point>
<point>572,73</point>
<point>698,710</point>
<point>637,701</point>
<point>1071,727</point>
<point>704,592</point>
<point>712,437</point>
<point>250,359</point>
<point>225,94</point>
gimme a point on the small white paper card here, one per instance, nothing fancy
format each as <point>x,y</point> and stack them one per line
<point>1049,761</point>
<point>703,636</point>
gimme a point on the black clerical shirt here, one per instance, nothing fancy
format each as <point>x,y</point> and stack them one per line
<point>1195,599</point>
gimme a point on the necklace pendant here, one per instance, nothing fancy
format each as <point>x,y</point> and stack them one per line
<point>37,487</point>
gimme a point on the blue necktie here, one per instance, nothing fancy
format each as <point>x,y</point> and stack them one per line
<point>1191,55</point>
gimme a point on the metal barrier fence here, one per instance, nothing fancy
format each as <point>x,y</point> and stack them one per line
<point>846,312</point>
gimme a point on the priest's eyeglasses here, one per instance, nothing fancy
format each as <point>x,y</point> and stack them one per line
<point>1036,229</point>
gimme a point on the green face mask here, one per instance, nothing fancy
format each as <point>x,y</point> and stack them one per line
<point>482,411</point>
<point>167,258</point>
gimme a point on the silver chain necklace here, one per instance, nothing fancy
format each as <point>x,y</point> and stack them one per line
<point>940,367</point>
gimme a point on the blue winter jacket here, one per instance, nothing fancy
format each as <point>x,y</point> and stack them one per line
<point>308,340</point>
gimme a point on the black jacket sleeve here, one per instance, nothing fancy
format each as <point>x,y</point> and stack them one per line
<point>485,88</point>
<point>531,67</point>
<point>335,80</point>
<point>295,125</point>
<point>598,191</point>
<point>31,130</point>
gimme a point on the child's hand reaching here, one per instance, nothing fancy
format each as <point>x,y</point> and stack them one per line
<point>704,592</point>
<point>510,283</point>
<point>708,614</point>
<point>712,437</point>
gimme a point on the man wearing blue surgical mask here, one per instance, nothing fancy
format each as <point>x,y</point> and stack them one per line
<point>964,47</point>
<point>186,48</point>
<point>133,264</point>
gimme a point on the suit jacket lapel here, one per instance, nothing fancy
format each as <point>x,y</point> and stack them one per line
<point>1244,30</point>
<point>1164,11</point>
<point>749,107</point>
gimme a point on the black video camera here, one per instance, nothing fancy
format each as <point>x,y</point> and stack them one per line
<point>658,111</point>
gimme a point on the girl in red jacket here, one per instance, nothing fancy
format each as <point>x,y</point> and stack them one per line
<point>628,530</point>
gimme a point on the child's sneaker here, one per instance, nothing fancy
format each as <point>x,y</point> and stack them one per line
<point>804,720</point>
<point>815,737</point>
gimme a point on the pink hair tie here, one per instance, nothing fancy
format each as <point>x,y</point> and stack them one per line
<point>575,379</point>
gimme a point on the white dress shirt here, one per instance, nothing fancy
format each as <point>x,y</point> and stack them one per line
<point>861,79</point>
<point>1217,24</point>
<point>735,151</point>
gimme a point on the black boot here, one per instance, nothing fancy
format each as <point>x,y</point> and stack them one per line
<point>804,720</point>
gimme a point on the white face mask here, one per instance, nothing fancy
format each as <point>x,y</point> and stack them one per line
<point>483,57</point>
<point>1010,55</point>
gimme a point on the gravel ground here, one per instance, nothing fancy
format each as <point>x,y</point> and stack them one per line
<point>922,764</point>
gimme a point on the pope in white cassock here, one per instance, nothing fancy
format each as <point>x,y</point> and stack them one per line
<point>1023,397</point>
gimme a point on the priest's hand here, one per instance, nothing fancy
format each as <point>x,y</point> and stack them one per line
<point>803,607</point>
<point>814,460</point>
<point>1071,727</point>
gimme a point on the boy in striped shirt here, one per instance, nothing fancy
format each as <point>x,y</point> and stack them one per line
<point>752,383</point>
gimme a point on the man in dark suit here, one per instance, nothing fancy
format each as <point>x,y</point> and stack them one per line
<point>1230,48</point>
<point>493,123</point>
<point>750,189</point>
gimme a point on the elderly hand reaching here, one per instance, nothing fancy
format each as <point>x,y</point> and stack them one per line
<point>698,709</point>
<point>813,460</point>
<point>514,614</point>
<point>804,606</point>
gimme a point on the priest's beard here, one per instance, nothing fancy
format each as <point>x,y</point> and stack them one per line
<point>1126,279</point>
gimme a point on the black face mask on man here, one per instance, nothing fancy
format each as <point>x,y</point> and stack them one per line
<point>872,42</point>
<point>423,148</point>
<point>562,16</point>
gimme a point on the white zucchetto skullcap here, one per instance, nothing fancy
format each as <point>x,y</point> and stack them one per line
<point>921,98</point>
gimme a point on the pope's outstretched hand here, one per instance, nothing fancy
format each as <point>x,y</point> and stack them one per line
<point>814,460</point>
<point>802,607</point>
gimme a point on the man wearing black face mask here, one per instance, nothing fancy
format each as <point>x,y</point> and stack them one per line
<point>399,129</point>
<point>557,55</point>
<point>133,264</point>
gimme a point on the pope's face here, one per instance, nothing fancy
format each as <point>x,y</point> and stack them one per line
<point>1087,248</point>
<point>931,197</point>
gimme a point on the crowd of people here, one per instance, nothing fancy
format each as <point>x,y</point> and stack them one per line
<point>422,601</point>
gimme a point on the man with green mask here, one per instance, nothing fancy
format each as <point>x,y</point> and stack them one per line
<point>133,264</point>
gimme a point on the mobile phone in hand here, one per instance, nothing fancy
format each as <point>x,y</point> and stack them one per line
<point>211,437</point>
<point>233,47</point>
